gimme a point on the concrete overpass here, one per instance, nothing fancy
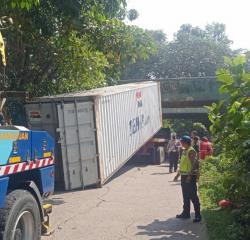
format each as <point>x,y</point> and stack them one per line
<point>185,98</point>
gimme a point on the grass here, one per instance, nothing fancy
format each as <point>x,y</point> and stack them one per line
<point>211,190</point>
<point>217,221</point>
<point>222,224</point>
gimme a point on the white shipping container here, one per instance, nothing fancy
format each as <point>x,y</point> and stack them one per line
<point>98,131</point>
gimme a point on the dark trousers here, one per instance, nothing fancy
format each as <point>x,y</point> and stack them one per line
<point>189,192</point>
<point>173,160</point>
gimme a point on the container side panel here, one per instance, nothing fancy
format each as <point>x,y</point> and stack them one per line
<point>126,121</point>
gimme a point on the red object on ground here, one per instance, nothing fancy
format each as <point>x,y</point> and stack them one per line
<point>225,203</point>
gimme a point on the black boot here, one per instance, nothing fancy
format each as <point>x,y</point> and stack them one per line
<point>197,219</point>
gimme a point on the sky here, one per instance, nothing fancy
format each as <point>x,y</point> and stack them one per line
<point>169,15</point>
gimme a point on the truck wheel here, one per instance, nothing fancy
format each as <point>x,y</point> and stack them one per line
<point>160,155</point>
<point>20,219</point>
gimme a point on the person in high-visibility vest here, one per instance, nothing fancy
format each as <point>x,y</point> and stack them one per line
<point>189,168</point>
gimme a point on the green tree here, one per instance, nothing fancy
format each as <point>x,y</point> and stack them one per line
<point>193,52</point>
<point>74,53</point>
<point>152,67</point>
<point>132,14</point>
<point>23,4</point>
<point>231,124</point>
<point>227,176</point>
<point>185,126</point>
<point>69,45</point>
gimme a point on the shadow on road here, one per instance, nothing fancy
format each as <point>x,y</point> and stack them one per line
<point>132,163</point>
<point>164,173</point>
<point>174,229</point>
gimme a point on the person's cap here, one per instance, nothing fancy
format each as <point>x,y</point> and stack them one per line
<point>186,139</point>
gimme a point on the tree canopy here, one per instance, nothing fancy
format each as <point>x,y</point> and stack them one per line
<point>23,4</point>
<point>193,52</point>
<point>67,45</point>
<point>57,46</point>
<point>226,176</point>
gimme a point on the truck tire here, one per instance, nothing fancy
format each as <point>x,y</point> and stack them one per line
<point>20,219</point>
<point>160,155</point>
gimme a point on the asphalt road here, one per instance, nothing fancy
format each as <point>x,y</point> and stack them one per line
<point>140,202</point>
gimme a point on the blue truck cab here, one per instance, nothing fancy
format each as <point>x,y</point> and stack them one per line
<point>26,180</point>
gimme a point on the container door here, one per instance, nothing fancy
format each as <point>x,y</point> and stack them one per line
<point>77,138</point>
<point>43,116</point>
